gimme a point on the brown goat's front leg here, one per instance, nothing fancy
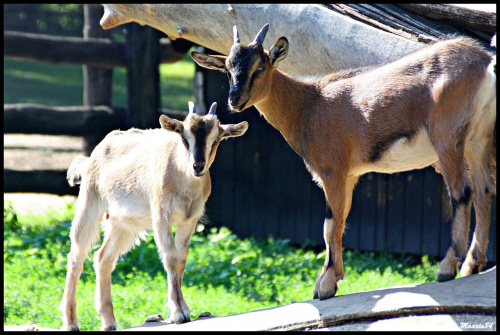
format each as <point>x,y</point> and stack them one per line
<point>174,255</point>
<point>338,194</point>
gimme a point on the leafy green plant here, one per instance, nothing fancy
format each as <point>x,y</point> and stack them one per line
<point>224,274</point>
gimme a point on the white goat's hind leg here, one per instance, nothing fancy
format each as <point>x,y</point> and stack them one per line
<point>84,233</point>
<point>117,241</point>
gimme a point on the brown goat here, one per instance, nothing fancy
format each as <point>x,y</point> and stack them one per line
<point>435,105</point>
<point>139,180</point>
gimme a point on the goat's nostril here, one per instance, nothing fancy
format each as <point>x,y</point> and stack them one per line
<point>198,166</point>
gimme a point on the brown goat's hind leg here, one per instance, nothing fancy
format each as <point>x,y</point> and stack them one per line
<point>460,191</point>
<point>477,154</point>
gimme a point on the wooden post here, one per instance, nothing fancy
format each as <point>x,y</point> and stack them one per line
<point>143,78</point>
<point>97,81</point>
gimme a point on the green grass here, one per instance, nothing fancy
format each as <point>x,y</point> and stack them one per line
<point>62,84</point>
<point>224,274</point>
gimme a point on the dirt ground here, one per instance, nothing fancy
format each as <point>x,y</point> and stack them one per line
<point>26,152</point>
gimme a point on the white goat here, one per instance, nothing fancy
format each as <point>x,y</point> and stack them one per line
<point>138,180</point>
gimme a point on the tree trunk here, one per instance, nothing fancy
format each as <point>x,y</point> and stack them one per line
<point>321,40</point>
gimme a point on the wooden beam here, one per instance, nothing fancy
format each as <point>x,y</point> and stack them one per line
<point>143,77</point>
<point>476,19</point>
<point>69,120</point>
<point>37,181</point>
<point>99,52</point>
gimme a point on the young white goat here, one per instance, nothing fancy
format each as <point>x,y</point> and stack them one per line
<point>142,179</point>
<point>434,106</point>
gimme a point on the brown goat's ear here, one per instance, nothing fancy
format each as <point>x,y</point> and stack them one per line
<point>279,51</point>
<point>211,62</point>
<point>234,130</point>
<point>171,124</point>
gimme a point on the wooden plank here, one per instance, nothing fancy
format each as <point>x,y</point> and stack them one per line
<point>143,85</point>
<point>303,214</point>
<point>220,205</point>
<point>431,215</point>
<point>446,218</point>
<point>67,120</point>
<point>97,82</point>
<point>395,212</point>
<point>381,220</point>
<point>368,213</point>
<point>288,198</point>
<point>37,181</point>
<point>275,143</point>
<point>351,232</point>
<point>413,212</point>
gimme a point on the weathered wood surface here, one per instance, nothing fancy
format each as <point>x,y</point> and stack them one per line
<point>478,19</point>
<point>473,295</point>
<point>68,120</point>
<point>100,52</point>
<point>37,181</point>
<point>315,32</point>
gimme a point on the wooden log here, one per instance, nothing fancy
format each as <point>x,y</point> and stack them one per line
<point>98,52</point>
<point>477,19</point>
<point>69,120</point>
<point>97,82</point>
<point>37,181</point>
<point>143,77</point>
<point>315,32</point>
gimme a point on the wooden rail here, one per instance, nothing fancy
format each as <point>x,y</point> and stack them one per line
<point>101,52</point>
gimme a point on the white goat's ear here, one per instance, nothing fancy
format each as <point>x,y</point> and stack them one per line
<point>234,130</point>
<point>211,62</point>
<point>171,124</point>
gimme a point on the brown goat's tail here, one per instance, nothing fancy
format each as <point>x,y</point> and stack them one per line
<point>77,167</point>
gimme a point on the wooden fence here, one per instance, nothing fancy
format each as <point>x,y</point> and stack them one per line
<point>141,53</point>
<point>261,187</point>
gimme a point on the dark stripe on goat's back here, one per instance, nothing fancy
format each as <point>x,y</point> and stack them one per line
<point>381,146</point>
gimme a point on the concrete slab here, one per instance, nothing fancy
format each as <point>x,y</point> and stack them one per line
<point>462,304</point>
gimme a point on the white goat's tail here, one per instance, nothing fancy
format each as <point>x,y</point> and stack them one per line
<point>77,167</point>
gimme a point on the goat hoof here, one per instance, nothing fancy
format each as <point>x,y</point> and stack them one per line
<point>71,328</point>
<point>442,277</point>
<point>108,328</point>
<point>178,317</point>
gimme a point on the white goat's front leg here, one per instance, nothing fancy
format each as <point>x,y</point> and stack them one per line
<point>174,257</point>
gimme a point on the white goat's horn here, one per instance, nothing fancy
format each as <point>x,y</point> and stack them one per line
<point>191,107</point>
<point>213,108</point>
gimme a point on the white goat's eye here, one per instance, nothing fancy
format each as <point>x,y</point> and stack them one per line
<point>260,69</point>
